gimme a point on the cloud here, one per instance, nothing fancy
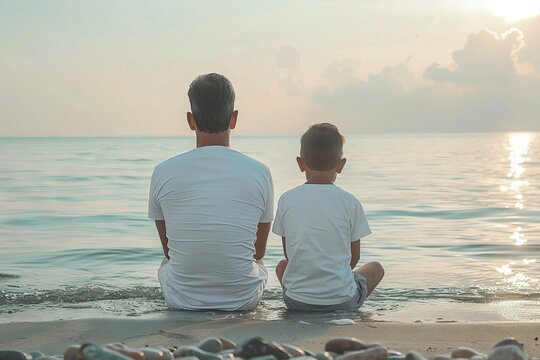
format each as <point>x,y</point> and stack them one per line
<point>340,72</point>
<point>487,58</point>
<point>483,90</point>
<point>288,58</point>
<point>531,50</point>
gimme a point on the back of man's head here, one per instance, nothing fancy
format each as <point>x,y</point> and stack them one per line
<point>212,102</point>
<point>322,147</point>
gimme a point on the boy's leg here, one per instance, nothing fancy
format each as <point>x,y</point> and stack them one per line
<point>373,272</point>
<point>280,269</point>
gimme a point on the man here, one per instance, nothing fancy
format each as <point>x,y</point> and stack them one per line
<point>213,207</point>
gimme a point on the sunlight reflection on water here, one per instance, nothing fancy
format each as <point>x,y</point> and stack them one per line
<point>518,148</point>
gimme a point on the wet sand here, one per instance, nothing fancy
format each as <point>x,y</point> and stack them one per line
<point>429,339</point>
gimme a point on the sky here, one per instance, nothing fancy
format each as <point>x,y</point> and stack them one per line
<point>122,68</point>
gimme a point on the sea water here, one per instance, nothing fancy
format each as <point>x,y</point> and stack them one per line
<point>455,221</point>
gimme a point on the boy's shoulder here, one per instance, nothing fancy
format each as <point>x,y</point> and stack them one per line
<point>308,191</point>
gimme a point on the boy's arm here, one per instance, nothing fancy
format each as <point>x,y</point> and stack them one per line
<point>355,253</point>
<point>162,231</point>
<point>284,247</point>
<point>263,230</point>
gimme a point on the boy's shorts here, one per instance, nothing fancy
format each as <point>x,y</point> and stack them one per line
<point>351,305</point>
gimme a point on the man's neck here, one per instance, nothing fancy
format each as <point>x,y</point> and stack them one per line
<point>217,139</point>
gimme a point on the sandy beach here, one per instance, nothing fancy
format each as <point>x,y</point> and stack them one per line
<point>428,338</point>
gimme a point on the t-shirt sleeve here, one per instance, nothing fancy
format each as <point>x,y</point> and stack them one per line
<point>268,214</point>
<point>360,227</point>
<point>154,209</point>
<point>277,228</point>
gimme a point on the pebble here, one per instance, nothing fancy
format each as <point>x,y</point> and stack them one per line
<point>324,356</point>
<point>211,344</point>
<point>256,346</point>
<point>155,354</point>
<point>14,355</point>
<point>295,351</point>
<point>227,344</point>
<point>73,353</point>
<point>95,352</point>
<point>507,352</point>
<point>376,352</point>
<point>464,352</point>
<point>508,341</point>
<point>36,354</point>
<point>413,355</point>
<point>479,357</point>
<point>135,355</point>
<point>340,345</point>
<point>184,351</point>
<point>264,357</point>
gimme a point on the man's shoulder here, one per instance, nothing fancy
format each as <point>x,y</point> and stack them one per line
<point>173,161</point>
<point>187,159</point>
<point>249,161</point>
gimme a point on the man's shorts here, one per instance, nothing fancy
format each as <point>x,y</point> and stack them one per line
<point>351,305</point>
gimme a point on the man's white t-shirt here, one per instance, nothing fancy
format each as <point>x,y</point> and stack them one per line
<point>212,199</point>
<point>319,222</point>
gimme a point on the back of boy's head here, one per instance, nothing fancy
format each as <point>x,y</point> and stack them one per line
<point>322,147</point>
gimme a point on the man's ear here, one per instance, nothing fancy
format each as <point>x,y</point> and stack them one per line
<point>301,164</point>
<point>191,121</point>
<point>340,165</point>
<point>233,119</point>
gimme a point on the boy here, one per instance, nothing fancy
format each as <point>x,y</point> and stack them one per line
<point>321,226</point>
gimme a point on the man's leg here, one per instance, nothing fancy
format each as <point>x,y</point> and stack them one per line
<point>373,272</point>
<point>280,269</point>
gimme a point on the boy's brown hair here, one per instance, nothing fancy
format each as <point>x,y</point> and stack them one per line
<point>322,147</point>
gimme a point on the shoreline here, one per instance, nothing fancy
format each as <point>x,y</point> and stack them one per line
<point>430,339</point>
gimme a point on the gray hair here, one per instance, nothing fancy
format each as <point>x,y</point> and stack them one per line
<point>212,102</point>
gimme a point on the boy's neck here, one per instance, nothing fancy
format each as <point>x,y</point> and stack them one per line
<point>320,177</point>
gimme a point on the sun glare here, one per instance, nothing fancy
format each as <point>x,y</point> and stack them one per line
<point>515,10</point>
<point>509,10</point>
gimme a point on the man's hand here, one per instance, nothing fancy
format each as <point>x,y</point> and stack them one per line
<point>262,236</point>
<point>162,231</point>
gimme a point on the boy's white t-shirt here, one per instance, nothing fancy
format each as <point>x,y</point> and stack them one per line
<point>319,222</point>
<point>212,199</point>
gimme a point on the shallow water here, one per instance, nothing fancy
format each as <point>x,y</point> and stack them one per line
<point>455,221</point>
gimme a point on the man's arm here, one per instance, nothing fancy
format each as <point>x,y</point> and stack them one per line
<point>355,253</point>
<point>262,236</point>
<point>284,247</point>
<point>162,231</point>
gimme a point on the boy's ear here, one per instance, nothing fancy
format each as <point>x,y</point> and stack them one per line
<point>340,165</point>
<point>301,164</point>
<point>191,121</point>
<point>233,119</point>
